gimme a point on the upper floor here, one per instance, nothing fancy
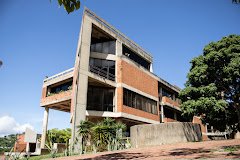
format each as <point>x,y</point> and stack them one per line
<point>119,72</point>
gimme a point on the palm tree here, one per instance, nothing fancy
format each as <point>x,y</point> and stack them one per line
<point>84,130</point>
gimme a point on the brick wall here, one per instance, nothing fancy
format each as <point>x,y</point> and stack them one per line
<point>165,120</point>
<point>20,145</point>
<point>135,77</point>
<point>203,128</point>
<point>138,79</point>
<point>56,97</point>
<point>44,92</point>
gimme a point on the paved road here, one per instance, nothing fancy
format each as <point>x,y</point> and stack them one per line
<point>190,150</point>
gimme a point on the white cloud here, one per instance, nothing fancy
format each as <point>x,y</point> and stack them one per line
<point>8,125</point>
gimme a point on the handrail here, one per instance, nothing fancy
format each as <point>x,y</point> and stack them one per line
<point>58,75</point>
<point>101,73</point>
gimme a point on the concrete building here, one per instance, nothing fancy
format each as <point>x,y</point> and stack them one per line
<point>112,77</point>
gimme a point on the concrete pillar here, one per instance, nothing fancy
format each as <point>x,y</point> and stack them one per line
<point>27,148</point>
<point>151,67</point>
<point>118,48</point>
<point>44,127</point>
<point>118,80</point>
<point>162,113</point>
<point>79,111</point>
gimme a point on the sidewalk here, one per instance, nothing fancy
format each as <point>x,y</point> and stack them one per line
<point>190,150</point>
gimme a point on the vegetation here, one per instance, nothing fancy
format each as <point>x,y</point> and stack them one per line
<point>57,136</point>
<point>7,142</point>
<point>47,156</point>
<point>231,148</point>
<point>54,93</point>
<point>213,86</point>
<point>236,1</point>
<point>101,136</point>
<point>69,5</point>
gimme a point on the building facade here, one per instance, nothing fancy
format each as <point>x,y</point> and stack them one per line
<point>112,77</point>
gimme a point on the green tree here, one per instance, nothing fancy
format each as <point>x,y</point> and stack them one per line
<point>212,90</point>
<point>236,1</point>
<point>7,142</point>
<point>84,131</point>
<point>57,136</point>
<point>70,5</point>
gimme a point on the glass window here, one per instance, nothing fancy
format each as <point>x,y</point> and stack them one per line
<point>104,47</point>
<point>135,57</point>
<point>135,100</point>
<point>129,99</point>
<point>168,113</point>
<point>100,99</point>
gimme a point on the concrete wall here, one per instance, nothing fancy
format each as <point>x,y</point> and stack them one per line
<point>164,133</point>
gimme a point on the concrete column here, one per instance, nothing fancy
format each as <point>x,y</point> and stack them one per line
<point>162,113</point>
<point>44,127</point>
<point>118,48</point>
<point>151,67</point>
<point>79,111</point>
<point>27,148</point>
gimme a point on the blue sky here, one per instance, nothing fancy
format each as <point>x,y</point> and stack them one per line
<point>38,39</point>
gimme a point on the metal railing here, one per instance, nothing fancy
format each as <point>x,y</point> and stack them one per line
<point>102,73</point>
<point>58,75</point>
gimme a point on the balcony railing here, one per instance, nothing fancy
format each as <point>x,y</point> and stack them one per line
<point>170,101</point>
<point>102,73</point>
<point>59,75</point>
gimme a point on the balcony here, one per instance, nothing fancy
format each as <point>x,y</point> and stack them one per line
<point>102,72</point>
<point>169,102</point>
<point>59,101</point>
<point>57,91</point>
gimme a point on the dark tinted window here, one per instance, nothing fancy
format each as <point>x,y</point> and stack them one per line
<point>135,57</point>
<point>100,98</point>
<point>168,113</point>
<point>135,100</point>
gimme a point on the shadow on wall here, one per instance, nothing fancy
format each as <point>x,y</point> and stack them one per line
<point>192,132</point>
<point>165,133</point>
